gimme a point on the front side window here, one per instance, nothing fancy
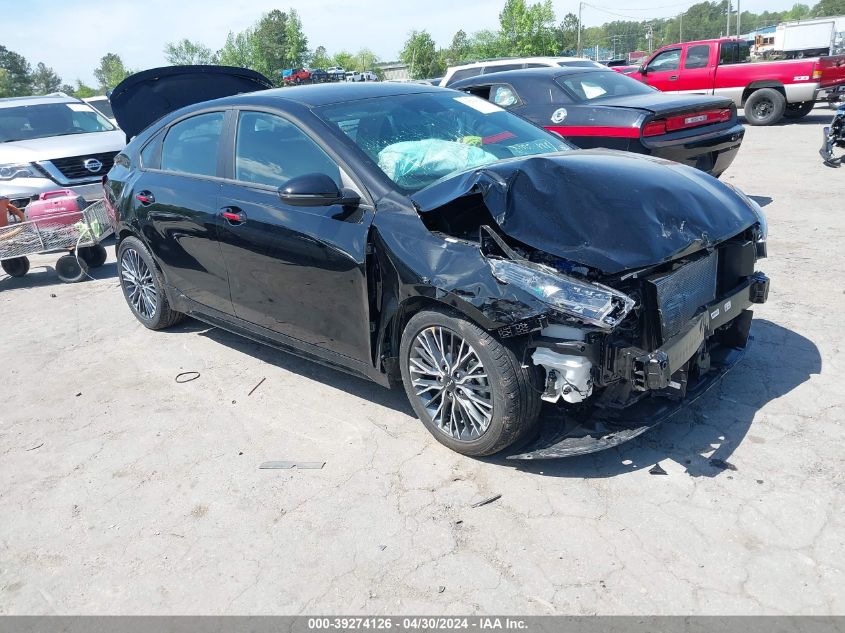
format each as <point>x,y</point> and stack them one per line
<point>697,57</point>
<point>667,60</point>
<point>417,139</point>
<point>190,146</point>
<point>270,150</point>
<point>25,122</point>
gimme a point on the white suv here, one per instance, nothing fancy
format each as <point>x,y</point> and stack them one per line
<point>487,66</point>
<point>54,142</point>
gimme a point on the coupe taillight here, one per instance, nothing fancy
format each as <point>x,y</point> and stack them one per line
<point>686,121</point>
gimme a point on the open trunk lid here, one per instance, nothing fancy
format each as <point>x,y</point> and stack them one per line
<point>147,96</point>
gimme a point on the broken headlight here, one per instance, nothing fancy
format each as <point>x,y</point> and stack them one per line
<point>589,302</point>
<point>763,231</point>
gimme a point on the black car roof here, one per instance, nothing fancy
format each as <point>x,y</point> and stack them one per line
<point>525,73</point>
<point>324,94</point>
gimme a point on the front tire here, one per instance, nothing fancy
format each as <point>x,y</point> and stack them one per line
<point>764,107</point>
<point>143,286</point>
<point>470,391</point>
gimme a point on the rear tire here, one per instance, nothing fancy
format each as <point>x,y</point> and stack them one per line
<point>764,107</point>
<point>143,286</point>
<point>474,409</point>
<point>70,270</point>
<point>796,111</point>
<point>16,267</point>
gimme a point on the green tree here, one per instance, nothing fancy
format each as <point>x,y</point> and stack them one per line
<point>567,35</point>
<point>528,29</point>
<point>187,53</point>
<point>320,58</point>
<point>82,91</point>
<point>420,54</point>
<point>239,50</point>
<point>18,74</point>
<point>829,7</point>
<point>486,44</point>
<point>111,71</point>
<point>364,59</point>
<point>344,59</point>
<point>296,52</point>
<point>458,48</point>
<point>45,80</point>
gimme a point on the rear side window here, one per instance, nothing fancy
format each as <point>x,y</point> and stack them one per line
<point>500,68</point>
<point>734,53</point>
<point>697,57</point>
<point>270,150</point>
<point>464,73</point>
<point>190,146</point>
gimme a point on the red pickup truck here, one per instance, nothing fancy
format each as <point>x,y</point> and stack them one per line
<point>767,90</point>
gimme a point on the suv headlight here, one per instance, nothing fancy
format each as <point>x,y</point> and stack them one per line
<point>9,172</point>
<point>589,302</point>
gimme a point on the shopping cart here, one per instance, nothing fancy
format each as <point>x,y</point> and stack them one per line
<point>78,234</point>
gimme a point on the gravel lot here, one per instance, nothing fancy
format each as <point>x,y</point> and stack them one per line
<point>123,492</point>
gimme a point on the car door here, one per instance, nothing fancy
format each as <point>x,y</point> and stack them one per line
<point>663,70</point>
<point>177,194</point>
<point>296,270</point>
<point>697,69</point>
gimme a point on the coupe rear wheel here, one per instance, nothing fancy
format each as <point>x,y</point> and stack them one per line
<point>764,107</point>
<point>471,392</point>
<point>143,286</point>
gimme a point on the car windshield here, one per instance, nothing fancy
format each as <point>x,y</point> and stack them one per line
<point>24,122</point>
<point>601,85</point>
<point>418,139</point>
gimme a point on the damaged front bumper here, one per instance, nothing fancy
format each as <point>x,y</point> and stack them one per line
<point>663,373</point>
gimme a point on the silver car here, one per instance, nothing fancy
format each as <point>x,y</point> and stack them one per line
<point>54,142</point>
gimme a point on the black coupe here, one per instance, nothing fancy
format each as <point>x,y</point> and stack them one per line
<point>418,235</point>
<point>599,107</point>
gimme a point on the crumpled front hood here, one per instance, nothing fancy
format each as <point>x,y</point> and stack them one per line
<point>608,210</point>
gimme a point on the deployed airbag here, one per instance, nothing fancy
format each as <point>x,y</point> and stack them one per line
<point>409,162</point>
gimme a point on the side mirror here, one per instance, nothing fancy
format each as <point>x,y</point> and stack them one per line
<point>316,190</point>
<point>643,70</point>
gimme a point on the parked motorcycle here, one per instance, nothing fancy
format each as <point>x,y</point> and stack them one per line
<point>834,136</point>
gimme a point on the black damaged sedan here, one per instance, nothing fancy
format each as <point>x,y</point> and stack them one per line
<point>423,236</point>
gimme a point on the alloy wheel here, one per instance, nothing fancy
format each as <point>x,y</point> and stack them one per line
<point>138,282</point>
<point>450,380</point>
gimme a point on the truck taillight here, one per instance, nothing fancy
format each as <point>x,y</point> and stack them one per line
<point>654,128</point>
<point>817,73</point>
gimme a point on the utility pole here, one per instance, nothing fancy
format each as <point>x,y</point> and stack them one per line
<point>737,18</point>
<point>682,28</point>
<point>578,52</point>
<point>649,35</point>
<point>728,30</point>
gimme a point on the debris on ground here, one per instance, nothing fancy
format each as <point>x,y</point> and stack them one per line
<point>256,386</point>
<point>722,464</point>
<point>657,470</point>
<point>484,502</point>
<point>34,447</point>
<point>290,465</point>
<point>441,589</point>
<point>187,376</point>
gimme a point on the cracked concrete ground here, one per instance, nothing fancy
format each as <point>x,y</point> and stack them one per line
<point>123,492</point>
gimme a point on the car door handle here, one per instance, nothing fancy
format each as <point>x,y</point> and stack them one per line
<point>145,197</point>
<point>233,215</point>
<point>673,77</point>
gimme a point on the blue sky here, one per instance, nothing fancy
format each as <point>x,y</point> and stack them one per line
<point>72,35</point>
